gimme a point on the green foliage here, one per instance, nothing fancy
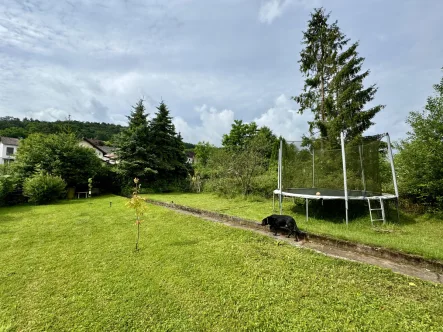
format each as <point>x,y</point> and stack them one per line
<point>233,169</point>
<point>420,158</point>
<point>169,148</point>
<point>140,207</point>
<point>240,134</point>
<point>333,89</point>
<point>138,117</point>
<point>203,151</point>
<point>43,188</point>
<point>152,151</point>
<point>57,154</point>
<point>7,186</point>
<point>10,193</point>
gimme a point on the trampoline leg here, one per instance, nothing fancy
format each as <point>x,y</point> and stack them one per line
<point>273,202</point>
<point>398,212</point>
<point>307,213</point>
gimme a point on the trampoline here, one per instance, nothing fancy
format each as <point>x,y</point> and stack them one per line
<point>351,172</point>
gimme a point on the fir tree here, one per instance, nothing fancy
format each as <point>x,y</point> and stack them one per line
<point>138,116</point>
<point>333,88</point>
<point>322,42</point>
<point>350,97</point>
<point>135,150</point>
<point>169,148</point>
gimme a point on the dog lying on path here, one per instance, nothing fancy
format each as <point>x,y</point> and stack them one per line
<point>277,221</point>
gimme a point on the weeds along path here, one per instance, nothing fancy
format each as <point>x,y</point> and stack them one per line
<point>398,262</point>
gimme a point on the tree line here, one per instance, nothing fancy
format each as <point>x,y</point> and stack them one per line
<point>17,128</point>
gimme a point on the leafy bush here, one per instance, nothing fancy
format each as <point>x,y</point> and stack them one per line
<point>420,156</point>
<point>264,185</point>
<point>10,189</point>
<point>44,188</point>
<point>7,186</point>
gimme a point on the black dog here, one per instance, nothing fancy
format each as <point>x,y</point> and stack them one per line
<point>276,221</point>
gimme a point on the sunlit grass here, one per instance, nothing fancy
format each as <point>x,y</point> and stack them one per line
<point>72,266</point>
<point>415,235</point>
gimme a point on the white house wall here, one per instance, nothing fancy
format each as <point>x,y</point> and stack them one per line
<point>97,152</point>
<point>3,155</point>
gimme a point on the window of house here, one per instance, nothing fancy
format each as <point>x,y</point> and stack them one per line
<point>9,151</point>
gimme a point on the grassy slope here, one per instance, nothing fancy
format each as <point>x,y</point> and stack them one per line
<point>72,266</point>
<point>422,236</point>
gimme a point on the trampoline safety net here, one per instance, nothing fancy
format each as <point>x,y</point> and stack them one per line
<point>311,165</point>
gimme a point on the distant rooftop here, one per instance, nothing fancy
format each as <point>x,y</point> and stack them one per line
<point>100,145</point>
<point>9,140</point>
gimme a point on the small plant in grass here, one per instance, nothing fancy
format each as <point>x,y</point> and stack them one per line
<point>139,205</point>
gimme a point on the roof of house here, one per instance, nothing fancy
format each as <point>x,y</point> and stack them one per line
<point>190,154</point>
<point>99,145</point>
<point>9,140</point>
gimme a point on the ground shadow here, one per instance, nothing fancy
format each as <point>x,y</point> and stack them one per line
<point>334,211</point>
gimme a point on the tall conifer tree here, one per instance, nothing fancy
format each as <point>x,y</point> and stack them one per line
<point>135,152</point>
<point>169,147</point>
<point>333,89</point>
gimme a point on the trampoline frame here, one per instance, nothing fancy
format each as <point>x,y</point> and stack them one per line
<point>384,196</point>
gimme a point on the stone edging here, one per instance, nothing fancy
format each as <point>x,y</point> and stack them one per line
<point>398,256</point>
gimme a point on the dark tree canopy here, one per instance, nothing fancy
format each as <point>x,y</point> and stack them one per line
<point>151,150</point>
<point>168,146</point>
<point>136,155</point>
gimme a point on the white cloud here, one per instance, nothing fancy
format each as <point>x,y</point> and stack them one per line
<point>213,124</point>
<point>49,114</point>
<point>284,120</point>
<point>281,118</point>
<point>271,9</point>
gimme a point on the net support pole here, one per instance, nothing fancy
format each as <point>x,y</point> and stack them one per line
<point>313,168</point>
<point>391,160</point>
<point>273,201</point>
<point>280,167</point>
<point>307,213</point>
<point>343,156</point>
<point>360,151</point>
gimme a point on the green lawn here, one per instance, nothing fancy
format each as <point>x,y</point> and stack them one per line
<point>419,235</point>
<point>72,266</point>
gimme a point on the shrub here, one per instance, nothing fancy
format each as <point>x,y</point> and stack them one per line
<point>7,186</point>
<point>44,188</point>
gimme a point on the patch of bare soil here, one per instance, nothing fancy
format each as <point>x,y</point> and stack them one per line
<point>405,264</point>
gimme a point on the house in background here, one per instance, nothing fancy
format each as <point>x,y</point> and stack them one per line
<point>104,152</point>
<point>190,157</point>
<point>8,148</point>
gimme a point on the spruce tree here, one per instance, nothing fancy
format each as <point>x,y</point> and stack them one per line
<point>135,152</point>
<point>350,97</point>
<point>169,149</point>
<point>138,117</point>
<point>322,42</point>
<point>333,88</point>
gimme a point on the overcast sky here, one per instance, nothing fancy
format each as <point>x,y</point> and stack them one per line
<point>211,61</point>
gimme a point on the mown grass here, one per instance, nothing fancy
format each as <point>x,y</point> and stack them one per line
<point>72,266</point>
<point>420,235</point>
